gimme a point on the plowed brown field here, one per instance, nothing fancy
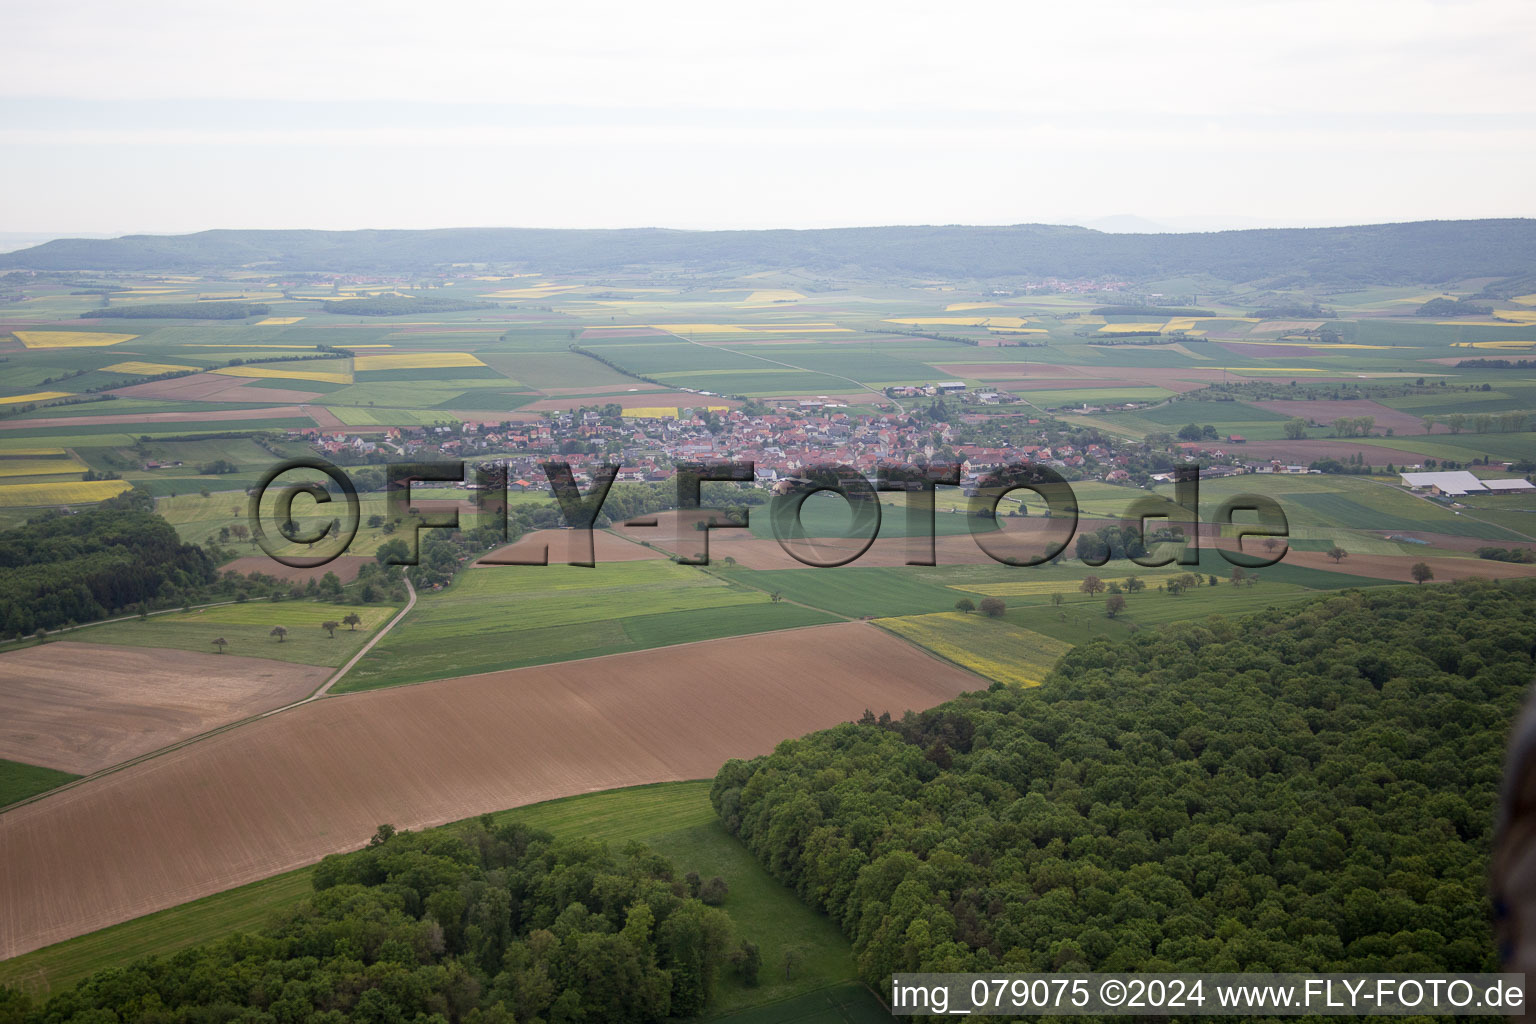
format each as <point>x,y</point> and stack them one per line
<point>346,567</point>
<point>284,791</point>
<point>83,707</point>
<point>1326,411</point>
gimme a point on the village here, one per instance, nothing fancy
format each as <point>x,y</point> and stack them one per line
<point>783,443</point>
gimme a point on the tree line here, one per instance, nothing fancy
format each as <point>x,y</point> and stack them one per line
<point>1307,790</point>
<point>218,310</point>
<point>60,569</point>
<point>399,305</point>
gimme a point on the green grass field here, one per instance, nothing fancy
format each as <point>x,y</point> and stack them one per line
<point>248,629</point>
<point>852,590</point>
<point>19,781</point>
<point>498,617</point>
<point>826,514</point>
<point>675,818</point>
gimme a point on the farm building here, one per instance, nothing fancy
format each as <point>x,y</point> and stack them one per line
<point>1459,482</point>
<point>950,387</point>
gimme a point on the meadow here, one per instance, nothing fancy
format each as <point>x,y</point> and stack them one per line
<point>497,617</point>
<point>248,629</point>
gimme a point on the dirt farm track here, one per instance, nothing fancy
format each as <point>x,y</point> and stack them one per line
<point>284,791</point>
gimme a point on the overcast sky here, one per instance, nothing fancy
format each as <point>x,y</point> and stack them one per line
<point>168,117</point>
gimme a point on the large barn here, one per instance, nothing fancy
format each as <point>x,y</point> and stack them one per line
<point>1455,483</point>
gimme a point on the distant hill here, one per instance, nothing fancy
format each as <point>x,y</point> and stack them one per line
<point>1422,252</point>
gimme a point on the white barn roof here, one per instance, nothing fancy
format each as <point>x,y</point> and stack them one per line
<point>1452,482</point>
<point>1509,485</point>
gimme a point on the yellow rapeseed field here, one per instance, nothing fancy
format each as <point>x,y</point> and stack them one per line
<point>997,650</point>
<point>262,372</point>
<point>1493,344</point>
<point>147,369</point>
<point>1128,328</point>
<point>36,396</point>
<point>71,339</point>
<point>67,492</point>
<point>39,467</point>
<point>1525,300</point>
<point>278,321</point>
<point>414,361</point>
<point>771,295</point>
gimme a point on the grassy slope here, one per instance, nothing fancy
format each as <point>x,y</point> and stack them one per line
<point>675,818</point>
<point>248,626</point>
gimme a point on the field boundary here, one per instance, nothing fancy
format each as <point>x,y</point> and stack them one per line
<point>321,692</point>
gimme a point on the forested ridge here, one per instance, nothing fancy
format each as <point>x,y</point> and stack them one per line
<point>57,569</point>
<point>1290,791</point>
<point>1414,252</point>
<point>481,923</point>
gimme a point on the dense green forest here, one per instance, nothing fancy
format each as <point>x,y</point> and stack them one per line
<point>481,923</point>
<point>1296,791</point>
<point>74,568</point>
<point>220,310</point>
<point>1416,252</point>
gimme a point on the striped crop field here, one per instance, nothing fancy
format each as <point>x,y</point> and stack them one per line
<point>1130,328</point>
<point>147,369</point>
<point>70,339</point>
<point>39,467</point>
<point>414,361</point>
<point>66,492</point>
<point>989,647</point>
<point>265,373</point>
<point>36,396</point>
